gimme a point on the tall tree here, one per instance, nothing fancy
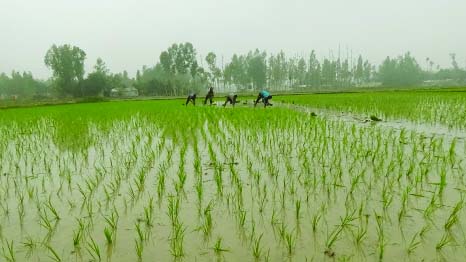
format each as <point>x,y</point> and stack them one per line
<point>183,73</point>
<point>67,64</point>
<point>328,72</point>
<point>22,85</point>
<point>301,71</point>
<point>236,72</point>
<point>278,70</point>
<point>402,71</point>
<point>215,72</point>
<point>314,71</point>
<point>257,69</point>
<point>359,71</point>
<point>292,66</point>
<point>100,67</point>
<point>345,74</point>
<point>367,69</point>
<point>97,82</point>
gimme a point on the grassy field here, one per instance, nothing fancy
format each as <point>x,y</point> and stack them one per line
<point>436,107</point>
<point>138,180</point>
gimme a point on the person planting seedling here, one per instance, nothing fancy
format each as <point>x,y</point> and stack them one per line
<point>191,97</point>
<point>265,96</point>
<point>209,96</point>
<point>231,98</point>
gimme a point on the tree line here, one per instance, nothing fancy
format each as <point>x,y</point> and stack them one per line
<point>178,71</point>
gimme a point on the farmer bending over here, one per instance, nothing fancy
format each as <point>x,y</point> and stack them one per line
<point>265,96</point>
<point>230,98</point>
<point>209,96</point>
<point>191,97</point>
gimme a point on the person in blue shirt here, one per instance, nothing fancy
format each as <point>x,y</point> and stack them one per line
<point>265,96</point>
<point>191,97</point>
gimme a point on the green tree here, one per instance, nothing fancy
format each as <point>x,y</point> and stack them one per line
<point>180,59</point>
<point>100,67</point>
<point>215,72</point>
<point>402,71</point>
<point>94,84</point>
<point>367,71</point>
<point>345,74</point>
<point>328,72</point>
<point>454,74</point>
<point>388,72</point>
<point>257,69</point>
<point>278,70</point>
<point>177,73</point>
<point>292,66</point>
<point>97,82</point>
<point>22,85</point>
<point>236,72</point>
<point>67,64</point>
<point>301,71</point>
<point>314,71</point>
<point>183,73</point>
<point>359,71</point>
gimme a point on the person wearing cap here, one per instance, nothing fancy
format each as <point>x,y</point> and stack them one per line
<point>209,96</point>
<point>265,96</point>
<point>231,98</point>
<point>191,97</point>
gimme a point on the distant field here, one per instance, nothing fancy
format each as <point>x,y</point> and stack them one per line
<point>145,180</point>
<point>435,107</point>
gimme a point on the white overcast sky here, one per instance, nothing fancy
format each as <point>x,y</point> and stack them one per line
<point>128,34</point>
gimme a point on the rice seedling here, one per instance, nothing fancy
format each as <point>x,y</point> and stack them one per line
<point>257,248</point>
<point>381,241</point>
<point>93,250</point>
<point>290,243</point>
<point>108,233</point>
<point>140,233</point>
<point>177,240</point>
<point>207,225</point>
<point>46,223</point>
<point>298,209</point>
<point>241,177</point>
<point>52,209</point>
<point>315,221</point>
<point>453,218</point>
<point>218,248</point>
<point>444,241</point>
<point>335,234</point>
<point>54,255</point>
<point>173,209</point>
<point>30,244</point>
<point>8,251</point>
<point>413,244</point>
<point>112,219</point>
<point>241,217</point>
<point>139,248</point>
<point>77,237</point>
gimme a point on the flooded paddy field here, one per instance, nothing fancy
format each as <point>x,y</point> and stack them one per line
<point>157,181</point>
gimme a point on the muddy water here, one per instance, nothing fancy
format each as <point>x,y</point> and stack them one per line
<point>329,167</point>
<point>428,129</point>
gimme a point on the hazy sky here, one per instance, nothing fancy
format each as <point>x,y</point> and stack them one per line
<point>128,34</point>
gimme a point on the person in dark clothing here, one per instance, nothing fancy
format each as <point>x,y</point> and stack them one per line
<point>232,99</point>
<point>265,96</point>
<point>191,97</point>
<point>209,96</point>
